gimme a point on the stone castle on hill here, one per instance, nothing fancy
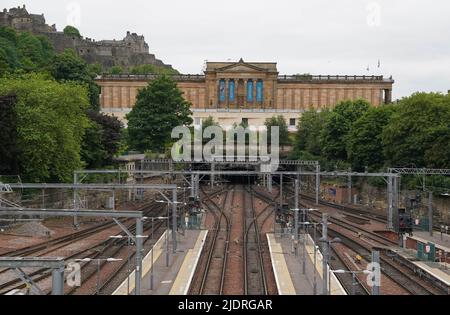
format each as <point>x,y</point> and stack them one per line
<point>129,52</point>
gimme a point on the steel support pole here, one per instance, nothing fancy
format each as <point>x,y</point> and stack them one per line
<point>213,169</point>
<point>304,252</point>
<point>317,184</point>
<point>269,183</point>
<point>325,253</point>
<point>174,221</point>
<point>376,273</point>
<point>349,188</point>
<point>296,208</point>
<point>395,196</point>
<point>281,191</point>
<point>58,281</point>
<point>430,212</point>
<point>167,236</point>
<point>75,201</point>
<point>153,249</point>
<point>390,204</point>
<point>315,262</point>
<point>192,185</point>
<point>139,232</point>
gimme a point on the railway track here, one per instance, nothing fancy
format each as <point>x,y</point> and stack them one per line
<point>255,282</point>
<point>400,275</point>
<point>100,249</point>
<point>364,242</point>
<point>212,281</point>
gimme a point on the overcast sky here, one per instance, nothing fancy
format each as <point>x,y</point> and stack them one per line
<point>409,37</point>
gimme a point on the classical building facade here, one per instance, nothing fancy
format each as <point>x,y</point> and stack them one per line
<point>232,92</point>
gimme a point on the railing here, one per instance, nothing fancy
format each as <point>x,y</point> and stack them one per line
<point>300,77</point>
<point>176,77</point>
<point>248,110</point>
<point>307,77</point>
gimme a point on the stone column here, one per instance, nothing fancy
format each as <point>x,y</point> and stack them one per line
<point>227,99</point>
<point>245,93</point>
<point>254,93</point>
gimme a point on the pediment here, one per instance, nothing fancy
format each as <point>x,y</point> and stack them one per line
<point>241,67</point>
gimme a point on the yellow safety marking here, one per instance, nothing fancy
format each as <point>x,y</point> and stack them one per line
<point>187,270</point>
<point>283,278</point>
<point>146,266</point>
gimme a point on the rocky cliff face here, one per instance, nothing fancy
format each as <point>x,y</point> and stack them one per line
<point>129,52</point>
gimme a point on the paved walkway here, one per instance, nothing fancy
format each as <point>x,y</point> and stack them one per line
<point>442,242</point>
<point>172,274</point>
<point>288,268</point>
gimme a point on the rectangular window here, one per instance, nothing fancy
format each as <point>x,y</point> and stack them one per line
<point>245,121</point>
<point>231,88</point>
<point>259,91</point>
<point>292,122</point>
<point>250,91</point>
<point>222,91</point>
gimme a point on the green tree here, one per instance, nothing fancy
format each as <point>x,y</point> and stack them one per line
<point>51,121</point>
<point>337,126</point>
<point>101,141</point>
<point>159,108</point>
<point>116,70</point>
<point>72,31</point>
<point>280,122</point>
<point>152,69</point>
<point>309,129</point>
<point>417,133</point>
<point>35,52</point>
<point>8,135</point>
<point>364,142</point>
<point>68,66</point>
<point>23,51</point>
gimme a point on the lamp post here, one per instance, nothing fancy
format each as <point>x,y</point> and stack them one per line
<point>307,225</point>
<point>174,223</point>
<point>326,255</point>
<point>87,260</point>
<point>354,273</point>
<point>153,248</point>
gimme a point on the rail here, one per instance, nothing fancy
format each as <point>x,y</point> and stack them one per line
<point>308,77</point>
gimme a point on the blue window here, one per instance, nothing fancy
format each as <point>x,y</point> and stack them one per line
<point>222,91</point>
<point>231,92</point>
<point>259,91</point>
<point>250,91</point>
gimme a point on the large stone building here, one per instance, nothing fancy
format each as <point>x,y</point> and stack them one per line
<point>232,92</point>
<point>128,52</point>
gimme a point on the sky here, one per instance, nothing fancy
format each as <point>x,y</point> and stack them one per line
<point>409,39</point>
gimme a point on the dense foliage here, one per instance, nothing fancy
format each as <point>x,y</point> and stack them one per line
<point>51,121</point>
<point>413,132</point>
<point>159,108</point>
<point>152,69</point>
<point>23,51</point>
<point>53,127</point>
<point>8,135</point>
<point>280,122</point>
<point>101,141</point>
<point>68,66</point>
<point>72,31</point>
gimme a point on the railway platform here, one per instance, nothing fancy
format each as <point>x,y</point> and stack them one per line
<point>288,268</point>
<point>175,277</point>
